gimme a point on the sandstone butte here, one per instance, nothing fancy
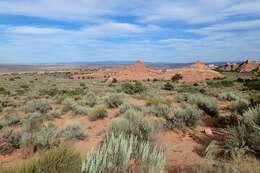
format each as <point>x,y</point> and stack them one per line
<point>246,66</point>
<point>138,71</point>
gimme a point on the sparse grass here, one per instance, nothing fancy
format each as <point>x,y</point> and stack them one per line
<point>98,112</point>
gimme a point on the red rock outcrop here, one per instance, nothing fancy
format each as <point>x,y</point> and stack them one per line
<point>229,67</point>
<point>196,72</point>
<point>246,66</point>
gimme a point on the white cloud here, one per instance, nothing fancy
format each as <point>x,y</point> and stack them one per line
<point>34,30</point>
<point>232,26</point>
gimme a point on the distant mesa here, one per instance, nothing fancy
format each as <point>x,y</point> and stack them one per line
<point>138,71</point>
<point>246,66</point>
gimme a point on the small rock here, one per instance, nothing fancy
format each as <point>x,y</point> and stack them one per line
<point>208,131</point>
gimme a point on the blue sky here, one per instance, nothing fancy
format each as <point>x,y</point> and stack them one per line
<point>50,31</point>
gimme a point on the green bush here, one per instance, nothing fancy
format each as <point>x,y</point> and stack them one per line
<point>41,106</point>
<point>98,112</point>
<point>4,102</point>
<point>176,77</point>
<point>58,160</point>
<point>132,123</point>
<point>230,96</point>
<point>185,116</point>
<point>114,101</point>
<point>4,92</point>
<point>246,134</point>
<point>124,107</point>
<point>124,150</point>
<point>71,104</point>
<point>154,101</point>
<point>252,84</point>
<point>220,83</point>
<point>168,86</point>
<point>208,104</point>
<point>133,88</point>
<point>11,120</point>
<point>91,99</point>
<point>40,138</point>
<point>74,131</point>
<point>160,110</point>
<point>239,105</point>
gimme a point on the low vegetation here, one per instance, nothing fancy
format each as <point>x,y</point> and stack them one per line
<point>185,116</point>
<point>208,104</point>
<point>133,88</point>
<point>98,112</point>
<point>146,157</point>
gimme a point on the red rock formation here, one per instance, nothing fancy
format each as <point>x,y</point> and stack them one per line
<point>138,71</point>
<point>246,66</point>
<point>199,65</point>
<point>229,67</point>
<point>196,72</point>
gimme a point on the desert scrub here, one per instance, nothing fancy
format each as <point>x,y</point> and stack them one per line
<point>132,122</point>
<point>114,101</point>
<point>45,137</point>
<point>168,86</point>
<point>220,83</point>
<point>239,105</point>
<point>124,107</point>
<point>184,116</point>
<point>98,112</point>
<point>70,104</point>
<point>36,135</point>
<point>230,96</point>
<point>90,99</point>
<point>246,134</point>
<point>4,102</point>
<point>159,110</point>
<point>125,149</point>
<point>252,115</point>
<point>208,104</point>
<point>10,120</point>
<point>58,160</point>
<point>40,105</point>
<point>154,101</point>
<point>74,131</point>
<point>10,140</point>
<point>241,164</point>
<point>135,87</point>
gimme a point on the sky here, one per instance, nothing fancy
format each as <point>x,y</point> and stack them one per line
<point>179,31</point>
